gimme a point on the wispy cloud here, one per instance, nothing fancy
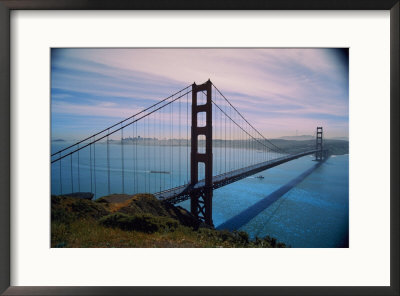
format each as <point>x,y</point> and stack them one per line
<point>281,90</point>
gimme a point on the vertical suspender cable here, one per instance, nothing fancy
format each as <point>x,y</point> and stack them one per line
<point>160,144</point>
<point>240,149</point>
<point>229,143</point>
<point>153,145</point>
<point>79,174</point>
<point>61,190</point>
<point>122,160</point>
<point>221,131</point>
<point>136,160</point>
<point>133,156</point>
<point>171,185</point>
<point>237,150</point>
<point>94,169</point>
<point>148,152</point>
<point>172,145</point>
<point>179,143</point>
<point>90,165</point>
<point>154,188</point>
<point>108,163</point>
<point>142,131</point>
<point>72,177</point>
<point>151,159</point>
<point>225,138</point>
<point>144,154</point>
<point>165,143</point>
<point>187,138</point>
<point>246,147</point>
<point>213,131</point>
<point>146,175</point>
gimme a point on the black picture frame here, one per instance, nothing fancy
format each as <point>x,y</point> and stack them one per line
<point>7,6</point>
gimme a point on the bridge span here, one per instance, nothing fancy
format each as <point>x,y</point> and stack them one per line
<point>182,193</point>
<point>194,128</point>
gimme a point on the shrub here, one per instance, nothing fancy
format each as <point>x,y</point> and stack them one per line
<point>84,208</point>
<point>59,234</point>
<point>140,222</point>
<point>61,216</point>
<point>271,241</point>
<point>244,236</point>
<point>225,235</point>
<point>55,200</point>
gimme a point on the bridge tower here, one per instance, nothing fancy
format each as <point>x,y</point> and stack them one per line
<point>201,201</point>
<point>318,147</point>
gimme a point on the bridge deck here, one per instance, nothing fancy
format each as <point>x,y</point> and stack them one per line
<point>181,193</point>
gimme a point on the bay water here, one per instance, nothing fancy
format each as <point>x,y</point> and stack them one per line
<point>313,213</point>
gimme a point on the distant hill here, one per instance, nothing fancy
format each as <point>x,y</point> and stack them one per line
<point>335,147</point>
<point>339,138</point>
<point>309,137</point>
<point>58,140</point>
<point>298,138</point>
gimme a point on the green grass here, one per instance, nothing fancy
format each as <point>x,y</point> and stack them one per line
<point>140,221</point>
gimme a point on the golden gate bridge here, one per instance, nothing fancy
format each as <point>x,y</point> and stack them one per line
<point>182,147</point>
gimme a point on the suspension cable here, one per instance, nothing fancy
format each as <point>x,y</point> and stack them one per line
<point>246,120</point>
<point>255,139</point>
<point>122,121</point>
<point>118,129</point>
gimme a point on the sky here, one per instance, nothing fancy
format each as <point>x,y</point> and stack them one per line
<point>282,92</point>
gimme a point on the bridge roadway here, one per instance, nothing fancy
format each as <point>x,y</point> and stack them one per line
<point>181,193</point>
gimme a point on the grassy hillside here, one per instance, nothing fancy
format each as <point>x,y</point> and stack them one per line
<point>124,221</point>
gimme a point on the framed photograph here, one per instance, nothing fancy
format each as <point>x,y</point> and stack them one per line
<point>203,148</point>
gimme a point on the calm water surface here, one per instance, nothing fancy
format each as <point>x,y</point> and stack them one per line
<point>314,213</point>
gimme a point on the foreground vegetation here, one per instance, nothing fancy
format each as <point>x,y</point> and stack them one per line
<point>124,221</point>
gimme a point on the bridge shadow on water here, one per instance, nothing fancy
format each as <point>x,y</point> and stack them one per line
<point>245,216</point>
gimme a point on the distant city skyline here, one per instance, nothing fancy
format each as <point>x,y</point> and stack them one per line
<point>283,92</point>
